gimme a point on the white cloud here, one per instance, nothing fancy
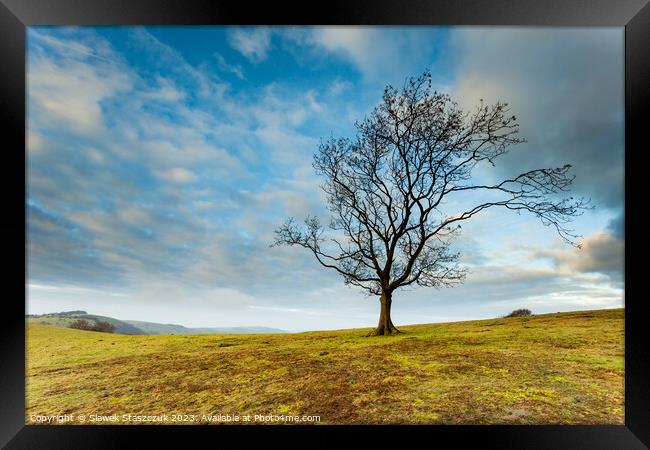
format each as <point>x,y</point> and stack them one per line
<point>42,289</point>
<point>338,86</point>
<point>383,55</point>
<point>309,312</point>
<point>235,69</point>
<point>96,155</point>
<point>134,215</point>
<point>206,84</point>
<point>177,175</point>
<point>600,252</point>
<point>166,91</point>
<point>253,43</point>
<point>204,204</point>
<point>71,48</point>
<point>34,143</point>
<point>356,43</point>
<point>69,93</point>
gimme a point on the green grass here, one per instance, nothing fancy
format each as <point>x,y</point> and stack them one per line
<point>550,369</point>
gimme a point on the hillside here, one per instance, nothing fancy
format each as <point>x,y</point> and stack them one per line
<point>564,368</point>
<point>167,328</point>
<point>135,327</point>
<point>65,319</point>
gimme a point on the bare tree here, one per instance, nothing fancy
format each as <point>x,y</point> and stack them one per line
<point>388,190</point>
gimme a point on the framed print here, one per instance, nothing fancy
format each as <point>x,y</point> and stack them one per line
<point>386,220</point>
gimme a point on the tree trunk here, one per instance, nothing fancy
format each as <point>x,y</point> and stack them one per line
<point>385,326</point>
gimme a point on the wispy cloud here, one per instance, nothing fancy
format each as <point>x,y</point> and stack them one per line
<point>382,55</point>
<point>253,43</point>
<point>223,65</point>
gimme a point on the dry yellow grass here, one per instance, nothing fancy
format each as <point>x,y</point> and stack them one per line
<point>549,369</point>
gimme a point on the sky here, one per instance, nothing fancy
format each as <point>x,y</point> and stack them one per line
<point>161,159</point>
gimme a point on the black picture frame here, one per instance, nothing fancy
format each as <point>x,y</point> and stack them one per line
<point>16,15</point>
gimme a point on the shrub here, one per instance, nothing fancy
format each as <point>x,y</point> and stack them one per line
<point>103,327</point>
<point>81,324</point>
<point>70,313</point>
<point>520,313</point>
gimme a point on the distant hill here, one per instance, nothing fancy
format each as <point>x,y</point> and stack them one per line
<point>64,319</point>
<point>134,327</point>
<point>168,328</point>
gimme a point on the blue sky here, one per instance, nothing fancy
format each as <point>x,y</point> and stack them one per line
<point>161,159</point>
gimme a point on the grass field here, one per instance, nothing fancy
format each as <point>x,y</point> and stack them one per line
<point>558,368</point>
